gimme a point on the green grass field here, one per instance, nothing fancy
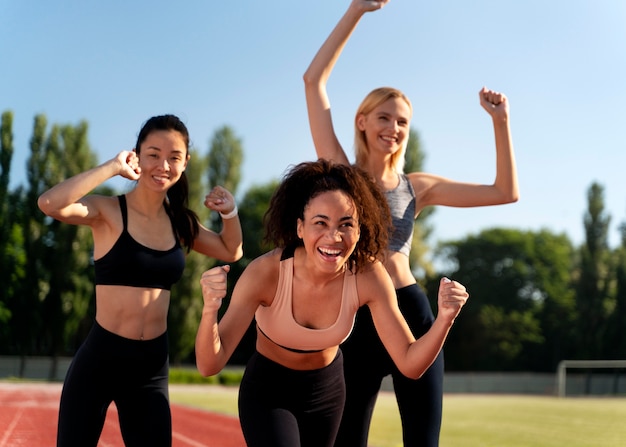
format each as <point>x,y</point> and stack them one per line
<point>475,420</point>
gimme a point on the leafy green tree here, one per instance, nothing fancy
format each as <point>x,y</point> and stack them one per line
<point>513,277</point>
<point>6,155</point>
<point>186,297</point>
<point>558,312</point>
<point>224,163</point>
<point>421,265</point>
<point>252,208</point>
<point>594,281</point>
<point>67,282</point>
<point>51,302</point>
<point>7,254</point>
<point>616,335</point>
<point>29,285</point>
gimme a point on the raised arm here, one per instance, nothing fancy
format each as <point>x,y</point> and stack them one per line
<point>316,77</point>
<point>497,106</point>
<point>434,190</point>
<point>413,357</point>
<point>227,245</point>
<point>68,201</point>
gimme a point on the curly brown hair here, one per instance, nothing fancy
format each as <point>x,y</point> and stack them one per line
<point>304,182</point>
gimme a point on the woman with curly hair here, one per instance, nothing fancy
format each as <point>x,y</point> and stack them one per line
<point>329,223</point>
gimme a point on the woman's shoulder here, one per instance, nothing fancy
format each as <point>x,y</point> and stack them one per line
<point>372,275</point>
<point>260,277</point>
<point>103,201</point>
<point>373,283</point>
<point>266,264</point>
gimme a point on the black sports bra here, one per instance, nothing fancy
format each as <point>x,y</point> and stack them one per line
<point>129,263</point>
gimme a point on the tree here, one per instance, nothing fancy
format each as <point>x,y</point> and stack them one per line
<point>67,280</point>
<point>6,155</point>
<point>186,296</point>
<point>513,277</point>
<point>594,281</point>
<point>7,249</point>
<point>616,335</point>
<point>224,163</point>
<point>420,264</point>
<point>251,211</point>
<point>27,316</point>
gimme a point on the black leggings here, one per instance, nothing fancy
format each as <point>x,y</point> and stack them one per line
<point>366,362</point>
<point>282,407</point>
<point>133,374</point>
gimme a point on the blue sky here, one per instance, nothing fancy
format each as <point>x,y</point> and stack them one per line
<point>562,64</point>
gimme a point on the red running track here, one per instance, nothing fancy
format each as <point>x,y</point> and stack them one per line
<point>28,417</point>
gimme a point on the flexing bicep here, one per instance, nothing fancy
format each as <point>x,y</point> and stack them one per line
<point>431,190</point>
<point>226,246</point>
<point>246,298</point>
<point>84,211</point>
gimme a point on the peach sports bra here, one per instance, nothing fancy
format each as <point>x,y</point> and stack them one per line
<point>276,322</point>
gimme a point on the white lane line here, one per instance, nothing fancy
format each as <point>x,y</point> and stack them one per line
<point>12,425</point>
<point>187,440</point>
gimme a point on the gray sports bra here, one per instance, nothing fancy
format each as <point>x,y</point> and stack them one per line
<point>401,202</point>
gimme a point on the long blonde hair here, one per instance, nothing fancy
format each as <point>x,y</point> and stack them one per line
<point>375,98</point>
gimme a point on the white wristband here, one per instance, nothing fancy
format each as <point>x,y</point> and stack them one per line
<point>230,215</point>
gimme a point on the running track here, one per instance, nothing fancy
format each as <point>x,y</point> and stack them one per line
<point>28,417</point>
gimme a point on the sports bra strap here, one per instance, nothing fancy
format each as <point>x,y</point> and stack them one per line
<point>122,199</point>
<point>288,252</point>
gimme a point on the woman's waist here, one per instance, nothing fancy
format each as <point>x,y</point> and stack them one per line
<point>131,312</point>
<point>399,269</point>
<point>303,361</point>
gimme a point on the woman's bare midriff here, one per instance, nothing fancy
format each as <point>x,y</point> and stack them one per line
<point>399,269</point>
<point>132,312</point>
<point>294,360</point>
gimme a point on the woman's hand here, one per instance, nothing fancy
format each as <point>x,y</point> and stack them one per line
<point>220,200</point>
<point>214,287</point>
<point>369,5</point>
<point>128,162</point>
<point>452,297</point>
<point>495,103</point>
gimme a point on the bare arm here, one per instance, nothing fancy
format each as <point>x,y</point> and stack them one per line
<point>434,190</point>
<point>68,201</point>
<point>211,356</point>
<point>215,342</point>
<point>413,357</point>
<point>227,245</point>
<point>316,77</point>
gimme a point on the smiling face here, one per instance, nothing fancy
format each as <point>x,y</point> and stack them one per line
<point>329,230</point>
<point>386,127</point>
<point>163,158</point>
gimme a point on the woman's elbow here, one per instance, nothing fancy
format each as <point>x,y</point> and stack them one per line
<point>506,196</point>
<point>307,79</point>
<point>207,369</point>
<point>44,205</point>
<point>236,254</point>
<point>206,372</point>
<point>412,373</point>
<point>312,82</point>
<point>512,197</point>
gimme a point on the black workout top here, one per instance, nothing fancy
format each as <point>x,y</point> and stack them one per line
<point>130,263</point>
